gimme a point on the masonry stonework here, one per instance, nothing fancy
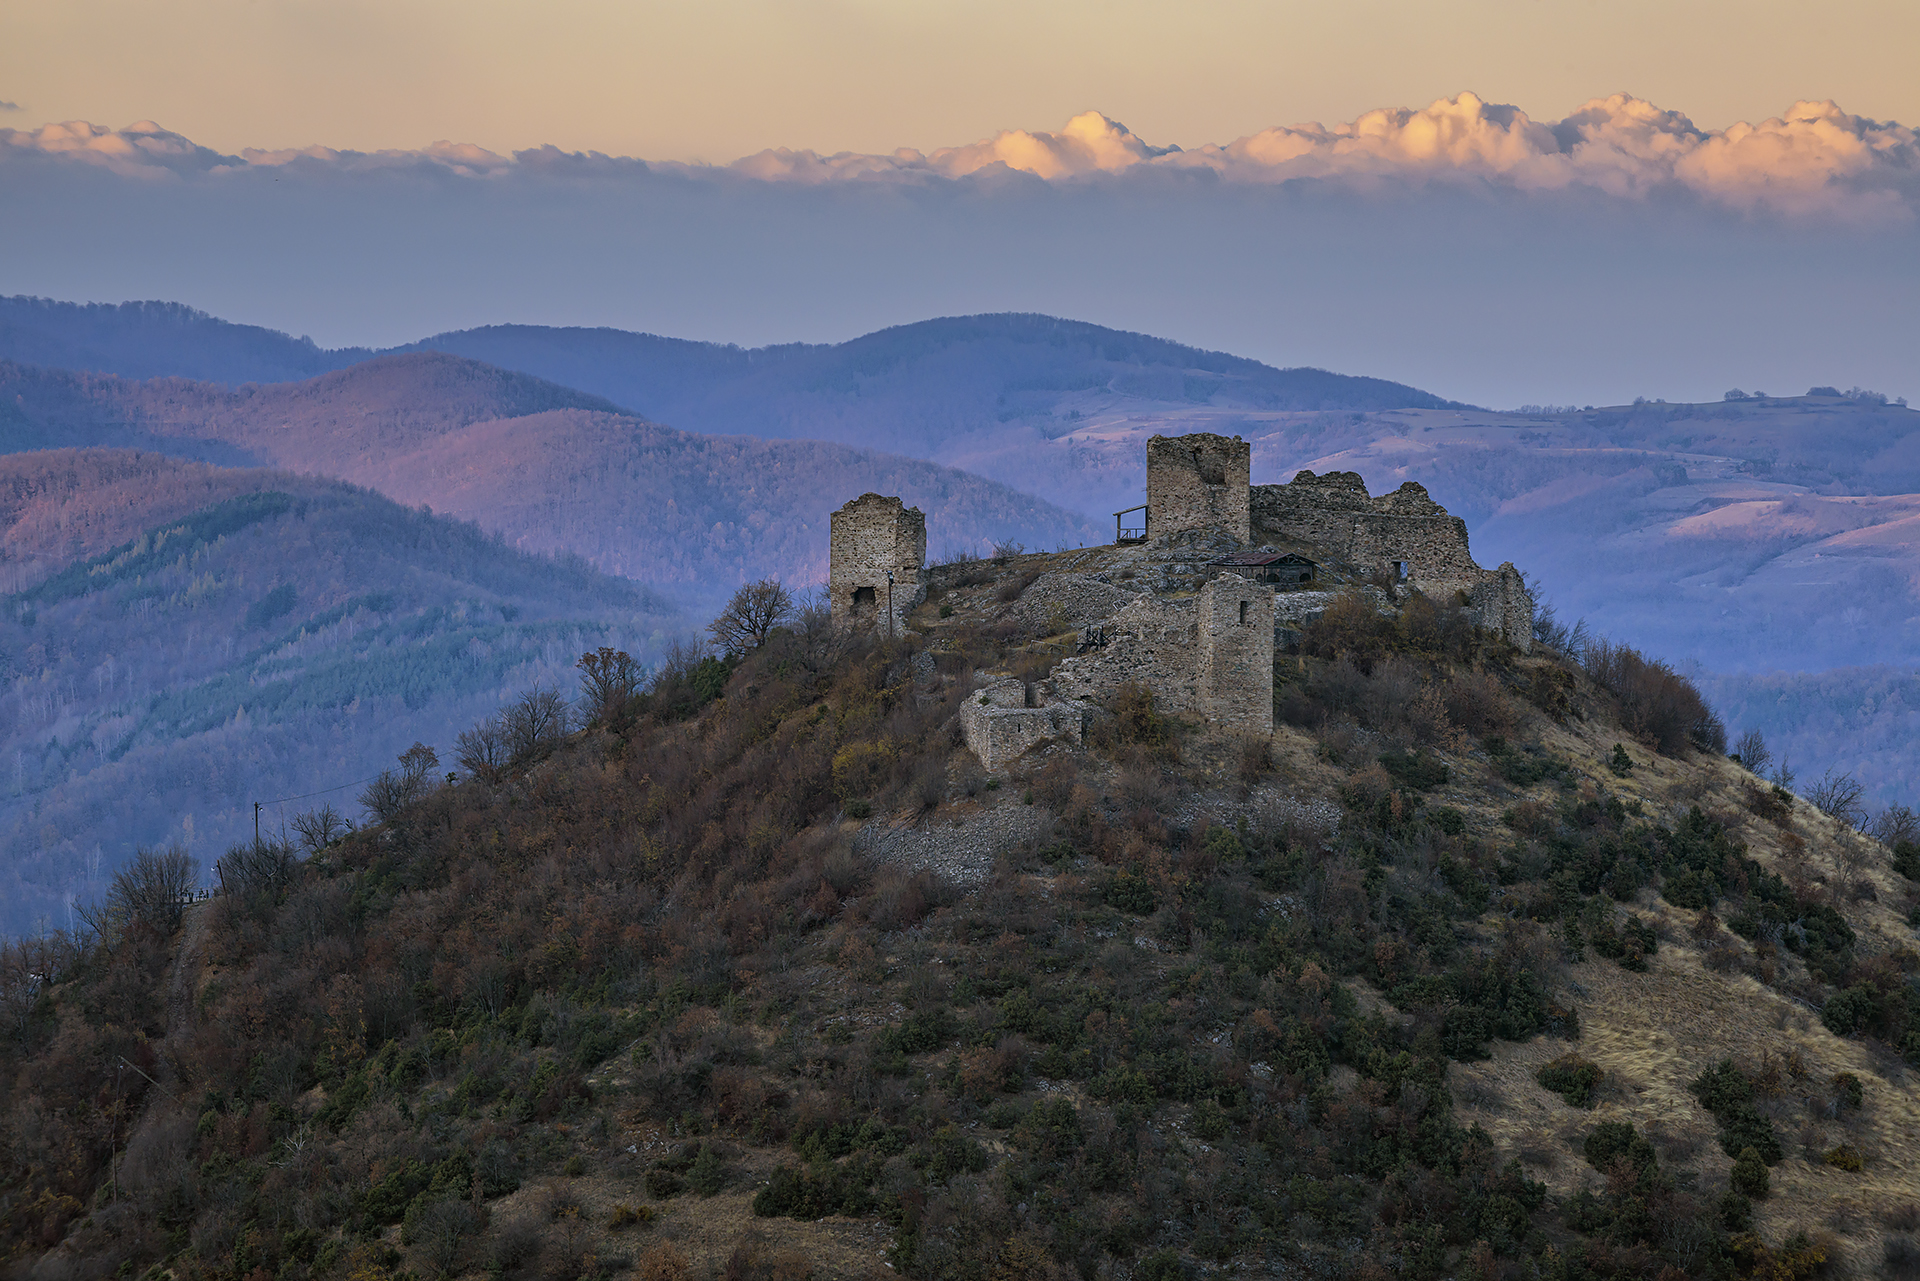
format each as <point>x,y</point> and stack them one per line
<point>871,537</point>
<point>1149,642</point>
<point>1180,616</point>
<point>1234,664</point>
<point>1404,536</point>
<point>999,726</point>
<point>1199,482</point>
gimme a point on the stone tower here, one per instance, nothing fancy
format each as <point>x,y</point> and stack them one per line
<point>873,536</point>
<point>1234,659</point>
<point>1198,482</point>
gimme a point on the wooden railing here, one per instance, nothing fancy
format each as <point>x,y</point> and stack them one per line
<point>1125,533</point>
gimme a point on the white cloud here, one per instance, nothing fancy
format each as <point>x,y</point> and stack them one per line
<point>1814,159</point>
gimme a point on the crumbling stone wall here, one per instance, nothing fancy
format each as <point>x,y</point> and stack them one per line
<point>1501,603</point>
<point>1000,727</point>
<point>1404,529</point>
<point>1199,481</point>
<point>870,537</point>
<point>1233,677</point>
<point>1149,642</point>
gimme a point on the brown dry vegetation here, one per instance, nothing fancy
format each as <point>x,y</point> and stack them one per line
<point>652,1005</point>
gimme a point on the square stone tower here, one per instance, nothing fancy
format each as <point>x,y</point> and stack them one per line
<point>1234,661</point>
<point>1198,482</point>
<point>871,537</point>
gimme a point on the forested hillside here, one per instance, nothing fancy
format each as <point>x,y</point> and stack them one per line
<point>156,340</point>
<point>545,467</point>
<point>261,635</point>
<point>1479,968</point>
<point>921,389</point>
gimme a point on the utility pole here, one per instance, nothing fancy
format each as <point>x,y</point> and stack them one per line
<point>256,822</point>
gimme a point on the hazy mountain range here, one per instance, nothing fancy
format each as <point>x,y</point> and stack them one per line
<point>546,467</point>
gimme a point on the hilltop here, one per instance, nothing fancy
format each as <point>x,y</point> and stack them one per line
<point>762,975</point>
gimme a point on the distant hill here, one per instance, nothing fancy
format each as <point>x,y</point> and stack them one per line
<point>259,635</point>
<point>548,468</point>
<point>938,389</point>
<point>157,339</point>
<point>918,388</point>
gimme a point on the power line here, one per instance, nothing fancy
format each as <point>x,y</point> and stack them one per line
<point>322,792</point>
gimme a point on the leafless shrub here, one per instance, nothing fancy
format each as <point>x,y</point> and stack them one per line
<point>609,680</point>
<point>319,828</point>
<point>1008,547</point>
<point>1838,796</point>
<point>1477,704</point>
<point>482,750</point>
<point>256,867</point>
<point>392,791</point>
<point>1656,702</point>
<point>1550,630</point>
<point>517,1244</point>
<point>1754,754</point>
<point>1895,825</point>
<point>440,1229</point>
<point>27,965</point>
<point>535,724</point>
<point>154,888</point>
<point>1256,757</point>
<point>1298,824</point>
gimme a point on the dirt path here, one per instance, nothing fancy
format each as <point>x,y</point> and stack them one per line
<point>180,991</point>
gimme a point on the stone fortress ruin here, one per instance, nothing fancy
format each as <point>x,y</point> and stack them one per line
<point>1193,602</point>
<point>878,557</point>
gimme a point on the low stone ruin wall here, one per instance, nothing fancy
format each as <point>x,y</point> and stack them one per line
<point>1000,727</point>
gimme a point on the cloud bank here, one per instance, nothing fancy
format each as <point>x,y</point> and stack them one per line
<point>1813,160</point>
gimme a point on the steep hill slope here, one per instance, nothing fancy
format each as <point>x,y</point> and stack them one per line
<point>544,466</point>
<point>262,635</point>
<point>1451,977</point>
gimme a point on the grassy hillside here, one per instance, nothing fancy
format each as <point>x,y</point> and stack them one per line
<point>263,635</point>
<point>764,978</point>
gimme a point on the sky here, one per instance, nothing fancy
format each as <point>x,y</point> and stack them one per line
<point>720,79</point>
<point>1503,201</point>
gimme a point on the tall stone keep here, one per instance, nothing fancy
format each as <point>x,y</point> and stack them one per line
<point>1200,481</point>
<point>874,536</point>
<point>1234,662</point>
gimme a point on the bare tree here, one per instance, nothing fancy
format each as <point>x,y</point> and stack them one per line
<point>319,828</point>
<point>392,791</point>
<point>751,616</point>
<point>261,866</point>
<point>482,750</point>
<point>27,966</point>
<point>1894,825</point>
<point>154,888</point>
<point>1784,775</point>
<point>1838,795</point>
<point>609,678</point>
<point>1754,753</point>
<point>1549,628</point>
<point>535,724</point>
